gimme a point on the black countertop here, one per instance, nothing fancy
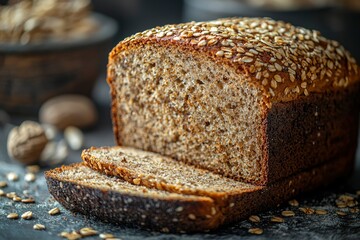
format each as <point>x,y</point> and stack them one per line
<point>301,226</point>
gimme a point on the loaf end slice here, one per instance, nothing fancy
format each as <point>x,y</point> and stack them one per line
<point>80,189</point>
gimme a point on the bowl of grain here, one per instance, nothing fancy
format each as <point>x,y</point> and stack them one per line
<point>49,48</point>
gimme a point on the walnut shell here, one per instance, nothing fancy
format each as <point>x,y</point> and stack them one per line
<point>69,110</point>
<point>26,142</point>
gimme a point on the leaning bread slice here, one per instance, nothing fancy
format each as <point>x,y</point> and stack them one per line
<point>156,171</point>
<point>80,189</point>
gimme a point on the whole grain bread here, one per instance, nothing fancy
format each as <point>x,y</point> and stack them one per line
<point>253,99</point>
<point>81,189</point>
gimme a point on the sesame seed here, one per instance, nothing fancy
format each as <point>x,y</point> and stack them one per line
<point>38,227</point>
<point>256,231</point>
<point>54,211</point>
<point>12,216</point>
<point>191,216</point>
<point>254,218</point>
<point>277,220</point>
<point>27,215</point>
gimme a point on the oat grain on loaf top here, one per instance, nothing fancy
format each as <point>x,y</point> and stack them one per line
<point>253,99</point>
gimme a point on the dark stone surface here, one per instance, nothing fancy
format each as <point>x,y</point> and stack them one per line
<point>302,226</point>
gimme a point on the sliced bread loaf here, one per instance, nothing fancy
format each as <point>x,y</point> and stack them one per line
<point>253,99</point>
<point>81,189</point>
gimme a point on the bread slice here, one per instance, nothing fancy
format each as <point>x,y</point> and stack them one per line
<point>80,189</point>
<point>155,171</point>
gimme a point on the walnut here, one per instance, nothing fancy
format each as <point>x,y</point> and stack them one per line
<point>68,110</point>
<point>26,142</point>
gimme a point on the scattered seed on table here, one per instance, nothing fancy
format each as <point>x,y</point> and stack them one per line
<point>28,200</point>
<point>3,184</point>
<point>11,176</point>
<point>294,203</point>
<point>257,231</point>
<point>17,199</point>
<point>11,195</point>
<point>341,213</point>
<point>87,231</point>
<point>288,213</point>
<point>277,219</point>
<point>354,210</point>
<point>39,226</point>
<point>13,216</point>
<point>54,211</point>
<point>2,193</point>
<point>30,177</point>
<point>33,169</point>
<point>307,210</point>
<point>320,212</point>
<point>27,215</point>
<point>254,218</point>
<point>106,235</point>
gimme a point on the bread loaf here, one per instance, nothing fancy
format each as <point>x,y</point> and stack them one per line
<point>253,99</point>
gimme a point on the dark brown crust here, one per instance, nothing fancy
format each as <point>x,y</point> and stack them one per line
<point>283,190</point>
<point>145,211</point>
<point>310,131</point>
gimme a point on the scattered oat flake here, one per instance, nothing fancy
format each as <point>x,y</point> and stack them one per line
<point>294,203</point>
<point>13,216</point>
<point>254,218</point>
<point>27,215</point>
<point>88,231</point>
<point>320,212</point>
<point>11,176</point>
<point>341,213</point>
<point>288,213</point>
<point>257,231</point>
<point>3,184</point>
<point>277,219</point>
<point>54,211</point>
<point>39,226</point>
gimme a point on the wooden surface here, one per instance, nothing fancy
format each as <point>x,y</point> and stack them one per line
<point>301,226</point>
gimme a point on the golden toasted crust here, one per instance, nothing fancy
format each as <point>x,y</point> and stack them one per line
<point>283,60</point>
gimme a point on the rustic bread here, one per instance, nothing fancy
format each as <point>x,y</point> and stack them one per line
<point>80,189</point>
<point>253,99</point>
